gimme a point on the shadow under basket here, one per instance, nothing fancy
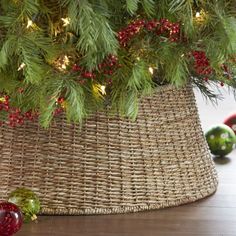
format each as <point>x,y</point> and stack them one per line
<point>113,165</point>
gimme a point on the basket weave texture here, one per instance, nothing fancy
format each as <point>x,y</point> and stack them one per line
<point>111,164</point>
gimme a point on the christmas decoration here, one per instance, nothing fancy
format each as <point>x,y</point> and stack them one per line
<point>221,140</point>
<point>231,122</point>
<point>202,63</point>
<point>27,201</point>
<point>10,219</point>
<point>73,52</point>
<point>164,26</point>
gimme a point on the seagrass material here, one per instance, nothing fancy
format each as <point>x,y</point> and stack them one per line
<point>113,165</point>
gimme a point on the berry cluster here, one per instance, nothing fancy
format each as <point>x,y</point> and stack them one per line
<point>105,69</point>
<point>15,116</point>
<point>83,72</point>
<point>202,66</point>
<point>126,34</point>
<point>61,105</point>
<point>161,28</point>
<point>201,63</point>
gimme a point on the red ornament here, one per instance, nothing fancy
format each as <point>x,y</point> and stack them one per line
<point>231,122</point>
<point>10,219</point>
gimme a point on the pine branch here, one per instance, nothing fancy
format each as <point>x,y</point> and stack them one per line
<point>51,91</point>
<point>75,101</point>
<point>30,8</point>
<point>149,7</point>
<point>132,6</point>
<point>74,97</point>
<point>96,37</point>
<point>29,54</point>
<point>229,25</point>
<point>173,61</point>
<point>7,51</point>
<point>130,82</point>
<point>8,83</point>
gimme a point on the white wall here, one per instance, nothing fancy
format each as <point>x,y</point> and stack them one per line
<point>215,114</point>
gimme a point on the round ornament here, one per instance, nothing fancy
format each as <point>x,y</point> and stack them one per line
<point>231,122</point>
<point>221,140</point>
<point>27,201</point>
<point>10,219</point>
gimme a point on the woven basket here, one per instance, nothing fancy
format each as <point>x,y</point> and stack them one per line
<point>113,165</point>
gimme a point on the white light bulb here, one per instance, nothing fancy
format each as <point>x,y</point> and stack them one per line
<point>198,14</point>
<point>103,89</point>
<point>65,63</point>
<point>66,60</point>
<point>66,21</point>
<point>21,66</point>
<point>63,66</point>
<point>151,70</point>
<point>29,24</point>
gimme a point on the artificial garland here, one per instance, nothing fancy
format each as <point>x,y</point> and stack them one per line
<point>106,69</point>
<point>77,56</point>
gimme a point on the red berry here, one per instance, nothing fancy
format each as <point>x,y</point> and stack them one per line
<point>88,75</point>
<point>76,68</point>
<point>60,100</point>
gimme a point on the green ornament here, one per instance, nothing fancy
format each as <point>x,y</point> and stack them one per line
<point>27,201</point>
<point>221,140</point>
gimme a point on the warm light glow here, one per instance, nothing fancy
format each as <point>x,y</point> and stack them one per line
<point>103,89</point>
<point>198,14</point>
<point>66,60</point>
<point>65,63</point>
<point>29,24</point>
<point>21,66</point>
<point>66,21</point>
<point>63,66</point>
<point>151,70</point>
<point>138,58</point>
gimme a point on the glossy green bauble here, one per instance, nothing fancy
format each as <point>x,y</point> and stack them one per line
<point>221,140</point>
<point>27,201</point>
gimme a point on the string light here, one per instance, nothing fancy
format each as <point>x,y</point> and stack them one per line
<point>66,21</point>
<point>21,67</point>
<point>198,14</point>
<point>151,70</point>
<point>29,24</point>
<point>65,63</point>
<point>103,89</point>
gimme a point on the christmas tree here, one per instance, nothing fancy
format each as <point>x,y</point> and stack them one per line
<point>77,57</point>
